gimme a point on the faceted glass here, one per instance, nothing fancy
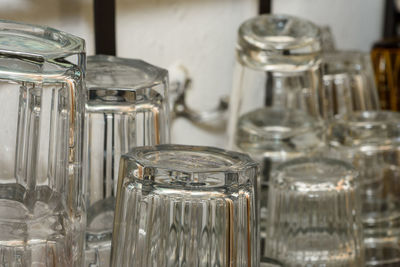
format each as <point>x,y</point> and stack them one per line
<point>42,214</point>
<point>184,205</point>
<point>370,141</point>
<point>274,108</point>
<point>126,107</point>
<point>314,214</point>
<point>348,83</point>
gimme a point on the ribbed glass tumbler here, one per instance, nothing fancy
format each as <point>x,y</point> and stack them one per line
<point>185,206</point>
<point>315,214</point>
<point>42,213</point>
<point>370,141</point>
<point>126,107</point>
<point>274,108</point>
<point>349,84</point>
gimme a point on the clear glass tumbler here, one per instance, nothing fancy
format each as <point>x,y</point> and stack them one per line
<point>348,83</point>
<point>42,214</point>
<point>278,65</point>
<point>126,107</point>
<point>314,214</point>
<point>275,103</point>
<point>267,262</point>
<point>370,141</point>
<point>185,206</point>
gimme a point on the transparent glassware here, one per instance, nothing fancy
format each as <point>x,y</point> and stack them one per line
<point>126,107</point>
<point>314,214</point>
<point>267,262</point>
<point>185,205</point>
<point>275,103</point>
<point>328,40</point>
<point>348,83</point>
<point>42,215</point>
<point>370,141</point>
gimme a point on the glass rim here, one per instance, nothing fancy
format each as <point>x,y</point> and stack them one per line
<point>317,180</point>
<point>348,130</point>
<point>369,117</point>
<point>269,262</point>
<point>236,162</point>
<point>352,61</point>
<point>159,74</point>
<point>25,39</point>
<point>249,36</point>
<point>303,160</point>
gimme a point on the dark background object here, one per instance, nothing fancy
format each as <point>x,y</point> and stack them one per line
<point>104,24</point>
<point>104,27</point>
<point>391,20</point>
<point>264,6</point>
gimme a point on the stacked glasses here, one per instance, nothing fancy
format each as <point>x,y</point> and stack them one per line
<point>126,107</point>
<point>275,109</point>
<point>370,140</point>
<point>185,206</point>
<point>42,214</point>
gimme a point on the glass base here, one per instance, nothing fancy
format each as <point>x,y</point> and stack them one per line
<point>382,253</point>
<point>99,233</point>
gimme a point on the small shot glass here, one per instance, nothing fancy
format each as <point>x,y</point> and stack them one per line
<point>185,206</point>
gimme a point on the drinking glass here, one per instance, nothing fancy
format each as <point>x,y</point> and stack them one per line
<point>315,214</point>
<point>42,215</point>
<point>267,262</point>
<point>370,141</point>
<point>185,205</point>
<point>127,106</point>
<point>278,65</point>
<point>348,83</point>
<point>274,108</point>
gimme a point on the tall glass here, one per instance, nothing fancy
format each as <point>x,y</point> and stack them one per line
<point>126,107</point>
<point>314,214</point>
<point>370,141</point>
<point>275,111</point>
<point>42,215</point>
<point>348,83</point>
<point>185,206</point>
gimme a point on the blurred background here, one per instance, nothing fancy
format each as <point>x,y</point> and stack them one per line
<point>197,35</point>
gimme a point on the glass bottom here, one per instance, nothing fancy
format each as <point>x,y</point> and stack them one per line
<point>99,233</point>
<point>35,230</point>
<point>382,253</point>
<point>98,256</point>
<point>272,136</point>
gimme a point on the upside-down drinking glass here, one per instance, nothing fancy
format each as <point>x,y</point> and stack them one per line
<point>42,214</point>
<point>185,205</point>
<point>314,214</point>
<point>370,141</point>
<point>127,106</point>
<point>348,83</point>
<point>275,112</point>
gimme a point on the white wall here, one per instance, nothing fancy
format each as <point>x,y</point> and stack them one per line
<point>199,34</point>
<point>356,24</point>
<point>73,16</point>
